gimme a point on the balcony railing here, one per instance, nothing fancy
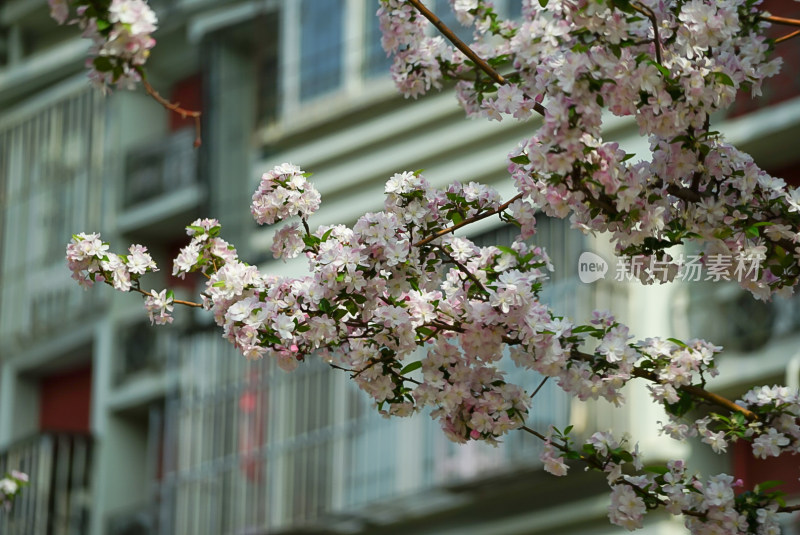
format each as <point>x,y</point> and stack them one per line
<point>57,500</point>
<point>251,449</point>
<point>51,185</point>
<point>160,168</point>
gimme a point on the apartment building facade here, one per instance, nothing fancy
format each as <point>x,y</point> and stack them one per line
<point>127,428</point>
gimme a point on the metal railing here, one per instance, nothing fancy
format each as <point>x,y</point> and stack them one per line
<point>252,449</point>
<point>58,498</point>
<point>51,184</point>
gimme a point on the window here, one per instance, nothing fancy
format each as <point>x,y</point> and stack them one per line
<point>321,46</point>
<point>376,63</point>
<point>445,12</point>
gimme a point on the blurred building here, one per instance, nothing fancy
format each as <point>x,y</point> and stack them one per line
<point>130,429</point>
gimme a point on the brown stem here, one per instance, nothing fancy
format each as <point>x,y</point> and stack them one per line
<point>787,36</point>
<point>470,275</point>
<point>704,394</point>
<point>781,20</point>
<point>467,221</point>
<point>463,47</point>
<point>175,107</point>
<point>539,387</point>
<point>176,301</point>
<point>647,12</point>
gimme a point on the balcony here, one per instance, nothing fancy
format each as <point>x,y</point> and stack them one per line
<point>145,354</point>
<point>251,449</point>
<point>161,181</point>
<point>58,498</point>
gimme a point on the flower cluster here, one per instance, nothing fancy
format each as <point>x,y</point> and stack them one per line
<point>10,486</point>
<point>90,261</point>
<point>416,65</point>
<point>669,66</point>
<point>120,31</point>
<point>284,192</point>
<point>421,318</point>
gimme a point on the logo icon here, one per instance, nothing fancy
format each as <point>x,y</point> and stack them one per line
<point>591,267</point>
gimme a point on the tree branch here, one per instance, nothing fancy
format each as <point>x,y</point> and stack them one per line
<point>467,221</point>
<point>463,47</point>
<point>175,107</point>
<point>647,12</point>
<point>787,36</point>
<point>176,301</point>
<point>704,394</point>
<point>781,20</point>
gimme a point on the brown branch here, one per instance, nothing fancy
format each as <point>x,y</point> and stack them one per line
<point>695,391</point>
<point>781,20</point>
<point>176,301</point>
<point>467,221</point>
<point>470,275</point>
<point>175,107</point>
<point>702,393</point>
<point>463,47</point>
<point>787,36</point>
<point>647,12</point>
<point>539,387</point>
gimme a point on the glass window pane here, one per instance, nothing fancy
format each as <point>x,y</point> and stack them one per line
<point>375,61</point>
<point>514,9</point>
<point>321,46</point>
<point>445,12</point>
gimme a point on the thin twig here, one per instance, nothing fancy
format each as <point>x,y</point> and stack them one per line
<point>787,36</point>
<point>175,107</point>
<point>470,275</point>
<point>781,20</point>
<point>176,301</point>
<point>539,387</point>
<point>467,221</point>
<point>647,12</point>
<point>463,47</point>
<point>701,393</point>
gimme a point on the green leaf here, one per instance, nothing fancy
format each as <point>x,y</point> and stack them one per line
<point>310,241</point>
<point>102,24</point>
<point>455,217</point>
<point>219,284</point>
<point>102,64</point>
<point>411,367</point>
<point>327,235</point>
<point>657,469</point>
<point>723,78</point>
<point>170,294</point>
<point>663,70</point>
<point>543,3</point>
<point>766,485</point>
<point>677,342</point>
<point>522,159</point>
<point>324,305</point>
<point>424,331</point>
